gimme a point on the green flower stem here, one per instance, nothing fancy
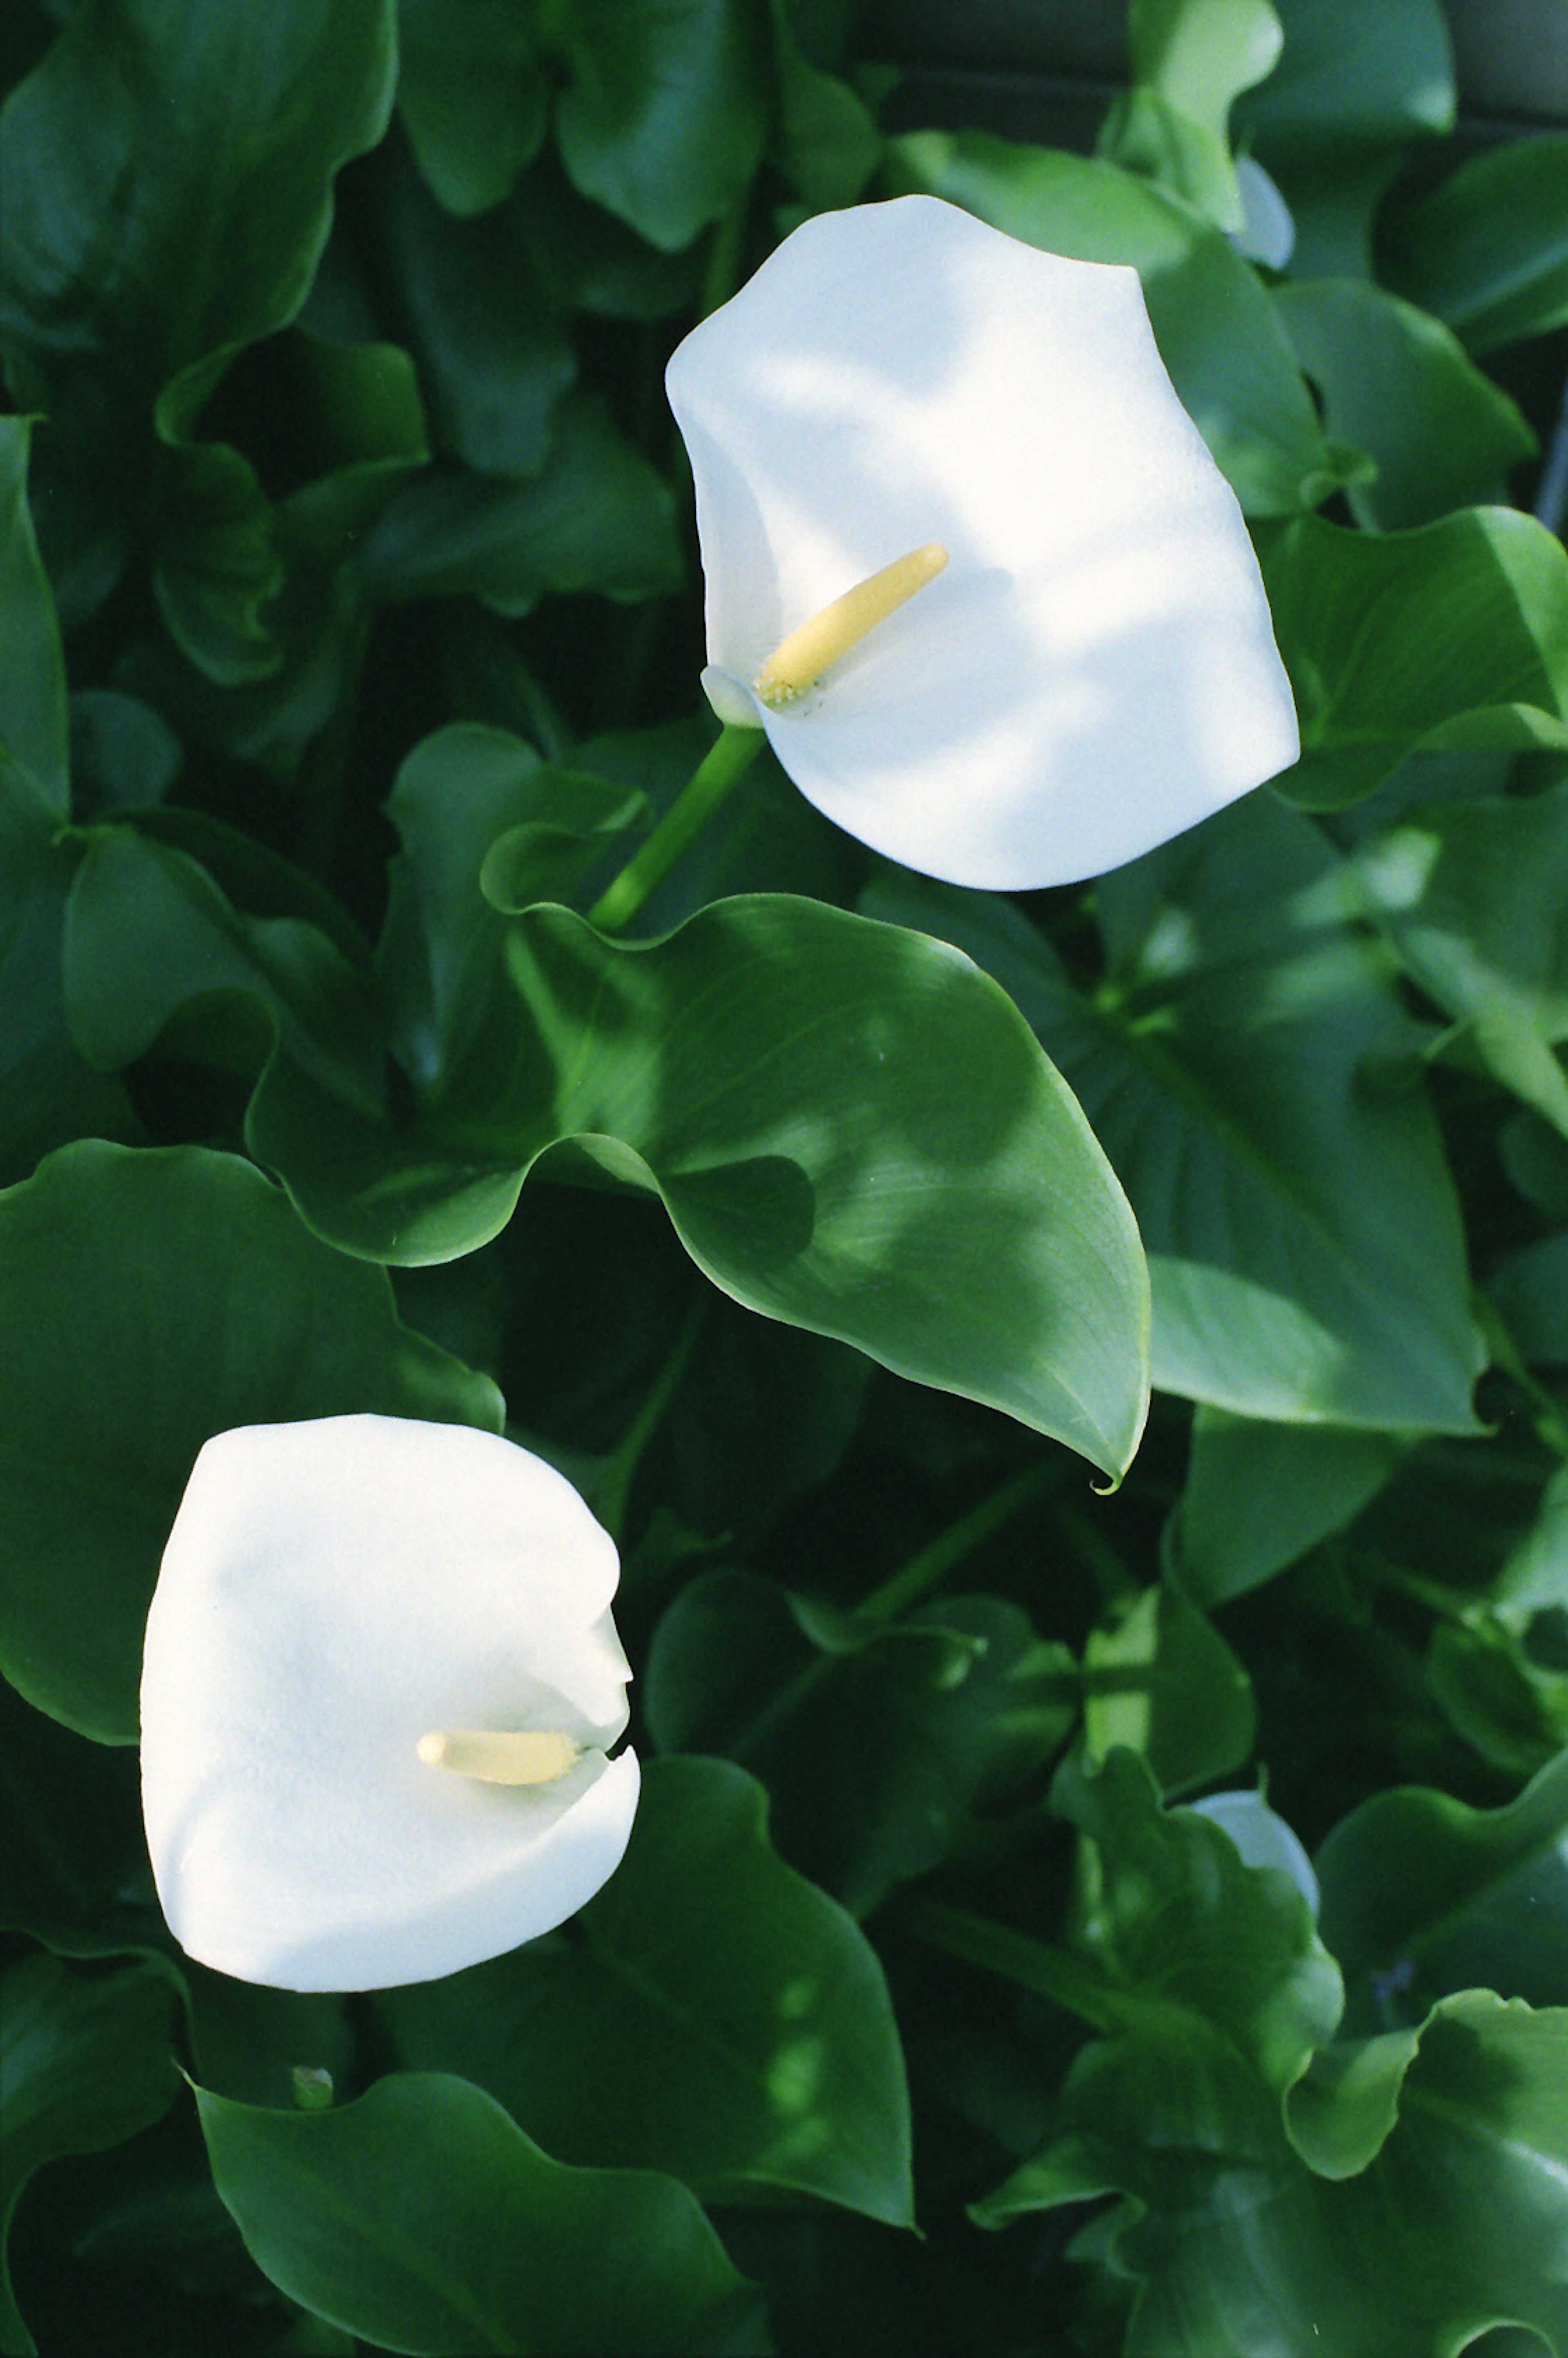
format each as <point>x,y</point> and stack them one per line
<point>1038,1965</point>
<point>932,1563</point>
<point>726,763</point>
<point>610,1498</point>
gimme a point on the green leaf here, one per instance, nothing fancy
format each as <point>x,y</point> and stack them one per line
<point>598,517</point>
<point>1422,1896</point>
<point>73,1870</point>
<point>1489,250</point>
<point>853,1130</point>
<point>1258,1496</point>
<point>1354,87</point>
<point>1161,1681</point>
<point>1190,59</point>
<point>190,221</point>
<point>32,685</point>
<point>1185,1931</point>
<point>1216,331</point>
<point>1458,2225</point>
<point>827,141</point>
<point>664,109</point>
<point>85,2063</point>
<point>712,2015</point>
<point>1397,384</point>
<point>150,936</point>
<point>1452,635</point>
<point>47,1092</point>
<point>473,93</point>
<point>217,568</point>
<point>1469,896</point>
<point>236,1316</point>
<point>494,352</point>
<point>421,2218</point>
<point>1253,1076</point>
<point>882,1752</point>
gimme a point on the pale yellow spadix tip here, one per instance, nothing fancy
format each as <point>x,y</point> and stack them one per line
<point>530,1757</point>
<point>802,658</point>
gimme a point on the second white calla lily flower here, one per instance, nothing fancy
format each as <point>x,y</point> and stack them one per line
<point>1076,660</point>
<point>380,1680</point>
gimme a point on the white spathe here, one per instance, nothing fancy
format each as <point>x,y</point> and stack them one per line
<point>330,1593</point>
<point>1094,670</point>
<point>1263,1836</point>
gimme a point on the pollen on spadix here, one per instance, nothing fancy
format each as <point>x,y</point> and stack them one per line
<point>800,660</point>
<point>501,1757</point>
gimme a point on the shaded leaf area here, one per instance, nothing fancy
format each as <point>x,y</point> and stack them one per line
<point>1469,896</point>
<point>1487,250</point>
<point>1258,1496</point>
<point>237,1316</point>
<point>1355,90</point>
<point>49,1093</point>
<point>1423,1895</point>
<point>84,2063</point>
<point>883,1745</point>
<point>420,2218</point>
<point>851,1127</point>
<point>1253,1076</point>
<point>1205,305</point>
<point>1397,385</point>
<point>710,2013</point>
<point>1236,2243</point>
<point>141,259</point>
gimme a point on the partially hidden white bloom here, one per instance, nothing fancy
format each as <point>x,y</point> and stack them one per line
<point>1262,1837</point>
<point>360,1625</point>
<point>1093,670</point>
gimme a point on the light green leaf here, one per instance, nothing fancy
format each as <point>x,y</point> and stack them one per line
<point>664,111</point>
<point>1487,250</point>
<point>421,2219</point>
<point>1253,1076</point>
<point>1454,635</point>
<point>1458,2225</point>
<point>85,2063</point>
<point>711,2015</point>
<point>236,1316</point>
<point>1161,1681</point>
<point>879,1752</point>
<point>1190,59</point>
<point>1218,334</point>
<point>1397,384</point>
<point>1186,1933</point>
<point>1422,1896</point>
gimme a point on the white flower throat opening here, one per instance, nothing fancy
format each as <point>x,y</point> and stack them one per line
<point>501,1757</point>
<point>800,660</point>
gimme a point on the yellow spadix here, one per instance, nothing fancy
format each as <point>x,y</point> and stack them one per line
<point>802,658</point>
<point>500,1757</point>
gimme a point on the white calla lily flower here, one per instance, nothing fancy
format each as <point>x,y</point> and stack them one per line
<point>1263,1836</point>
<point>1086,664</point>
<point>380,1679</point>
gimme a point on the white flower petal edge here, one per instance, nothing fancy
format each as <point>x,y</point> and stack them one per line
<point>1096,669</point>
<point>1261,1836</point>
<point>332,1592</point>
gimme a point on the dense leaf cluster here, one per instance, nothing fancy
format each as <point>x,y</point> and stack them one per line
<point>350,642</point>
